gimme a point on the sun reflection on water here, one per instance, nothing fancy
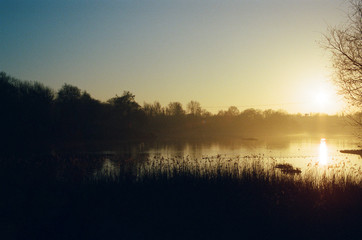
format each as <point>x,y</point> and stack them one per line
<point>323,152</point>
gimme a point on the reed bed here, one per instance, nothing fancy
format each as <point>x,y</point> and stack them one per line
<point>236,168</point>
<point>216,197</point>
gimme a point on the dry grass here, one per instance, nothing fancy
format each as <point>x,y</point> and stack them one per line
<point>177,198</point>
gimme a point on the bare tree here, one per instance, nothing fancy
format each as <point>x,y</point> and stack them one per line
<point>194,108</point>
<point>232,111</point>
<point>153,110</point>
<point>175,109</point>
<point>345,45</point>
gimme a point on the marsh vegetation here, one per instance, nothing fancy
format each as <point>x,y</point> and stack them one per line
<point>135,194</point>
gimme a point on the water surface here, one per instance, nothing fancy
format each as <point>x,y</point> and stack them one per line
<point>318,154</point>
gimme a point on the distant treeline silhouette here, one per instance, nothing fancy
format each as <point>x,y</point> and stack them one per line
<point>33,113</point>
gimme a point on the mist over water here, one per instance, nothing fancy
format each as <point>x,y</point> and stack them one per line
<point>322,155</point>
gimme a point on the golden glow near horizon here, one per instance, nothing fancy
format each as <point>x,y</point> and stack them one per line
<point>318,94</point>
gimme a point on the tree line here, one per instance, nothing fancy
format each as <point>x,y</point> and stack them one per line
<point>34,113</point>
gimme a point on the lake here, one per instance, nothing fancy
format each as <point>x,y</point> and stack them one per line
<point>317,154</point>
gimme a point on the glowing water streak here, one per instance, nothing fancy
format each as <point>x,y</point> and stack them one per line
<point>323,152</point>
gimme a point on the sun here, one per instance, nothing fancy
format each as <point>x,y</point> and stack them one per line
<point>321,98</point>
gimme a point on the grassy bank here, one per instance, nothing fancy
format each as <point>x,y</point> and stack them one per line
<point>174,201</point>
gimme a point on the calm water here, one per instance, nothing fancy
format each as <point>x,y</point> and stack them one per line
<point>302,152</point>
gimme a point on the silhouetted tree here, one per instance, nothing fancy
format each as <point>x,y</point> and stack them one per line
<point>232,111</point>
<point>205,113</point>
<point>194,108</point>
<point>125,116</point>
<point>125,104</point>
<point>345,44</point>
<point>68,94</point>
<point>77,115</point>
<point>154,109</point>
<point>175,109</point>
<point>221,113</point>
<point>251,114</point>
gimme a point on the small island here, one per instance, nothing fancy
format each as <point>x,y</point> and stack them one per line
<point>354,151</point>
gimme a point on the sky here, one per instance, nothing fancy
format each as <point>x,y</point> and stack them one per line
<point>251,54</point>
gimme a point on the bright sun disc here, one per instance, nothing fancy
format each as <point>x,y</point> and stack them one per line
<point>321,98</point>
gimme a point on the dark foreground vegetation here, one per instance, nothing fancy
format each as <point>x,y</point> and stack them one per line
<point>33,115</point>
<point>53,196</point>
